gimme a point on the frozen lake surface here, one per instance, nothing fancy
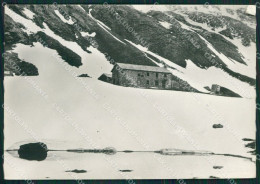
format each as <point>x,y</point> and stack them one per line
<point>131,166</point>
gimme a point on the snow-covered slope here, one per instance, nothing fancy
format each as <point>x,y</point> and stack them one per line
<point>175,36</point>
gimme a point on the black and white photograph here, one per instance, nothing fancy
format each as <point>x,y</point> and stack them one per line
<point>107,91</point>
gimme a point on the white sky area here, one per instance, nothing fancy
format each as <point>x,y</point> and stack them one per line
<point>222,9</point>
<point>146,8</point>
<point>251,10</point>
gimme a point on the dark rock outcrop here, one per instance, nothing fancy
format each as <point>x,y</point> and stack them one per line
<point>33,151</point>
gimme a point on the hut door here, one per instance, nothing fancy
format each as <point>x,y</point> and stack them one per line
<point>163,84</point>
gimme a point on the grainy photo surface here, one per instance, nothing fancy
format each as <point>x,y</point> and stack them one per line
<point>129,91</point>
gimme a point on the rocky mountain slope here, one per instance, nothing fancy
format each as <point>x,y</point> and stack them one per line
<point>199,47</point>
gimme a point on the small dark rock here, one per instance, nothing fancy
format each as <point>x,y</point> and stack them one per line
<point>251,145</point>
<point>213,177</point>
<point>252,152</point>
<point>207,88</point>
<point>125,170</point>
<point>247,139</point>
<point>128,151</point>
<point>84,75</point>
<point>217,167</point>
<point>77,171</point>
<point>217,126</point>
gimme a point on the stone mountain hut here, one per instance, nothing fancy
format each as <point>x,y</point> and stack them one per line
<point>141,76</point>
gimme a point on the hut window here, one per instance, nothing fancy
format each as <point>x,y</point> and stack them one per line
<point>156,83</point>
<point>147,73</point>
<point>156,75</point>
<point>165,75</point>
<point>147,82</point>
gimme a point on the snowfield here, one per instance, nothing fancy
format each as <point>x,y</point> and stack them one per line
<point>145,120</point>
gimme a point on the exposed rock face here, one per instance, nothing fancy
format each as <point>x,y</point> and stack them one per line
<point>17,66</point>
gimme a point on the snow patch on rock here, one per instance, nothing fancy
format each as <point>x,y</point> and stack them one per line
<point>29,24</point>
<point>100,23</point>
<point>165,24</point>
<point>232,64</point>
<point>28,13</point>
<point>81,8</point>
<point>104,27</point>
<point>88,34</point>
<point>62,18</point>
